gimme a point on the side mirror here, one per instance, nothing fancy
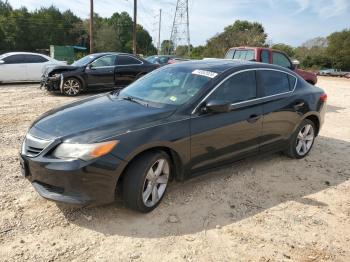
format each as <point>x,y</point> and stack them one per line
<point>89,66</point>
<point>217,106</point>
<point>295,64</point>
<point>2,62</point>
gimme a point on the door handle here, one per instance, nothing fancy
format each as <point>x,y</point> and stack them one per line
<point>253,118</point>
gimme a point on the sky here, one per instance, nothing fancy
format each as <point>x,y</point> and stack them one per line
<point>285,21</point>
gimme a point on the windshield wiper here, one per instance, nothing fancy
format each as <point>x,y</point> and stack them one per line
<point>132,99</point>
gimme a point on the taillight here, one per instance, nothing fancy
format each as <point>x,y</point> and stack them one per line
<point>323,97</point>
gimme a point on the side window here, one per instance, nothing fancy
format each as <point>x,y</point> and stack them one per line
<point>127,60</point>
<point>281,60</point>
<point>34,59</point>
<point>230,53</point>
<point>273,82</point>
<point>108,60</point>
<point>14,59</point>
<point>264,56</point>
<point>238,88</point>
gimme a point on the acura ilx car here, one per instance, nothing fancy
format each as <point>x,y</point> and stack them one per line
<point>171,124</point>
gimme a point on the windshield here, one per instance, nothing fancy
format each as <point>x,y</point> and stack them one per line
<point>2,56</point>
<point>169,86</point>
<point>84,61</point>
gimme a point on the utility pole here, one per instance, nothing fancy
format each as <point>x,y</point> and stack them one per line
<point>134,29</point>
<point>91,26</point>
<point>160,25</point>
<point>180,33</point>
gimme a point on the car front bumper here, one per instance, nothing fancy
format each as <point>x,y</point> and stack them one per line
<point>51,83</point>
<point>74,182</point>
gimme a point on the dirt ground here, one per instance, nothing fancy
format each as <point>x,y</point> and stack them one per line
<point>267,208</point>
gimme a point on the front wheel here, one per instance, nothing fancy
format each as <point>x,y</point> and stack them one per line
<point>302,140</point>
<point>146,180</point>
<point>71,87</point>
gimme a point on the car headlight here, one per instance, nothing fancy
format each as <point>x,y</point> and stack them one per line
<point>83,151</point>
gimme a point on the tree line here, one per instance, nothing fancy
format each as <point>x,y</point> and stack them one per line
<point>21,30</point>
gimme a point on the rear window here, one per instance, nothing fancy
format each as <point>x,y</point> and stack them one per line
<point>230,53</point>
<point>33,59</point>
<point>247,55</point>
<point>274,82</point>
<point>127,60</point>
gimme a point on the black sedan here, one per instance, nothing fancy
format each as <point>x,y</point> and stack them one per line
<point>96,71</point>
<point>173,123</point>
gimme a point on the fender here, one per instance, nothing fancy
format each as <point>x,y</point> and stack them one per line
<point>178,159</point>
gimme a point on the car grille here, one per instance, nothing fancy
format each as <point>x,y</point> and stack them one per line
<point>33,146</point>
<point>50,188</point>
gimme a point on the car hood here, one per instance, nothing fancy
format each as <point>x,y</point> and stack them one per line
<point>59,68</point>
<point>96,118</point>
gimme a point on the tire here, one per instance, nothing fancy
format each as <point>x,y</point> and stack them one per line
<point>302,140</point>
<point>71,86</point>
<point>143,189</point>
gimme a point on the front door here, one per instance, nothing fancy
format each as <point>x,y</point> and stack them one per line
<point>100,73</point>
<point>218,137</point>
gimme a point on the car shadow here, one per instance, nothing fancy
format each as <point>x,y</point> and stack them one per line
<point>226,196</point>
<point>334,109</point>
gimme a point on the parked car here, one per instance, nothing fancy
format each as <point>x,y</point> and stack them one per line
<point>332,72</point>
<point>270,56</point>
<point>96,71</point>
<point>177,121</point>
<point>24,66</point>
<point>160,59</point>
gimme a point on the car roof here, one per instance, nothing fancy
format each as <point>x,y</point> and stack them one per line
<point>22,53</point>
<point>222,65</point>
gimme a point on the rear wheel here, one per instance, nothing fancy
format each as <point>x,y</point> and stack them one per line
<point>146,180</point>
<point>71,87</point>
<point>302,140</point>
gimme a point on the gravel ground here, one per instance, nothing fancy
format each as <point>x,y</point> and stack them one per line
<point>267,208</point>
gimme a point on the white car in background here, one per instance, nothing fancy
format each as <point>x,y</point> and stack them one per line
<point>23,66</point>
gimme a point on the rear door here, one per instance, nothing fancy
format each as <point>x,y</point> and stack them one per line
<point>13,69</point>
<point>34,65</point>
<point>127,70</point>
<point>280,107</point>
<point>218,137</point>
<point>100,73</point>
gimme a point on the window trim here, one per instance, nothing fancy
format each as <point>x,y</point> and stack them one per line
<point>251,100</point>
<point>130,64</point>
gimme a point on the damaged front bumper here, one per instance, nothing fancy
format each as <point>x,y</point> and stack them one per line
<point>52,83</point>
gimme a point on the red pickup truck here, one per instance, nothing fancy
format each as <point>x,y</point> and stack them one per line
<point>270,56</point>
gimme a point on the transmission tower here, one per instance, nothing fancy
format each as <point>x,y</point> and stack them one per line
<point>180,33</point>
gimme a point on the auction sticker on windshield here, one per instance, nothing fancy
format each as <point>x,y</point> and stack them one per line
<point>204,73</point>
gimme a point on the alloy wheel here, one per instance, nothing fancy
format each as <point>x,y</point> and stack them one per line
<point>71,87</point>
<point>305,139</point>
<point>156,182</point>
